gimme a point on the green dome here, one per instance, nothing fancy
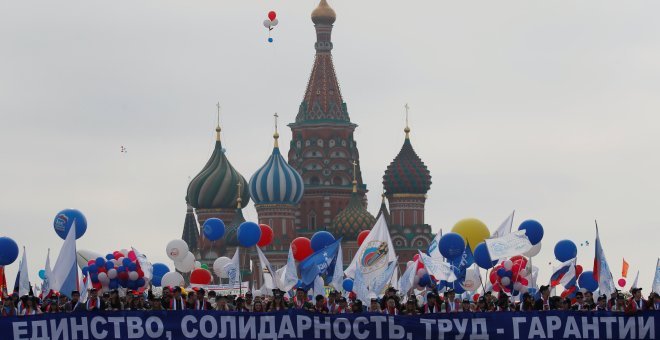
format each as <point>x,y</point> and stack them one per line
<point>216,186</point>
<point>352,220</point>
<point>407,174</point>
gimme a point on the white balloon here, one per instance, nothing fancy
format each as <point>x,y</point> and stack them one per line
<point>219,266</point>
<point>536,249</point>
<point>124,251</point>
<point>104,279</point>
<point>524,289</point>
<point>274,22</point>
<point>517,286</point>
<point>177,250</point>
<point>121,261</point>
<point>172,279</point>
<point>133,276</point>
<point>187,264</point>
<point>112,273</point>
<point>267,23</point>
<point>508,264</point>
<point>506,281</point>
<point>198,264</point>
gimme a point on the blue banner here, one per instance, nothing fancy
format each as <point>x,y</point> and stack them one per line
<point>293,324</point>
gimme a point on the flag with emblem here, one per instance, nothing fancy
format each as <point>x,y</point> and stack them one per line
<point>375,253</point>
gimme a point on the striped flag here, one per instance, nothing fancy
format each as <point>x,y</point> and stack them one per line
<point>3,281</point>
<point>563,274</point>
<point>65,271</point>
<point>601,271</point>
<point>624,268</point>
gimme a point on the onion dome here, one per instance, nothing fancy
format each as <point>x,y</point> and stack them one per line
<point>353,219</point>
<point>215,187</point>
<point>276,182</point>
<point>324,14</point>
<point>407,174</point>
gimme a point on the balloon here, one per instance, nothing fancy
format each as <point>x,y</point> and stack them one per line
<point>205,266</point>
<point>109,265</point>
<point>42,274</point>
<point>505,281</point>
<point>92,268</point>
<point>267,23</point>
<point>425,280</point>
<point>622,282</point>
<point>219,266</point>
<point>347,284</point>
<point>187,264</point>
<point>213,229</point>
<point>200,276</point>
<point>198,264</point>
<point>159,270</point>
<point>121,269</point>
<point>274,22</point>
<point>501,272</point>
<point>533,229</point>
<point>482,257</point>
<point>122,275</point>
<point>109,257</point>
<point>587,281</point>
<point>451,245</point>
<point>140,282</point>
<point>112,274</point>
<point>362,235</point>
<point>133,276</point>
<point>177,250</point>
<point>475,298</point>
<point>8,251</point>
<point>302,248</point>
<point>100,262</point>
<point>172,279</point>
<point>321,239</point>
<point>270,40</point>
<point>126,262</point>
<point>472,230</point>
<point>565,250</point>
<point>536,249</point>
<point>266,235</point>
<point>248,234</point>
<point>104,279</point>
<point>272,15</point>
<point>132,256</point>
<point>64,220</point>
<point>508,264</point>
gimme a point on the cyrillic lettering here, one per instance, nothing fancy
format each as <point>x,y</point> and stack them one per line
<point>286,328</point>
<point>536,329</point>
<point>479,329</point>
<point>444,326</point>
<point>229,322</point>
<point>516,323</point>
<point>644,328</point>
<point>94,328</point>
<point>319,326</point>
<point>148,326</point>
<point>19,329</point>
<point>246,327</point>
<point>39,330</point>
<point>552,323</point>
<point>204,322</point>
<point>396,331</point>
<point>587,327</point>
<point>59,329</point>
<point>356,328</point>
<point>341,333</point>
<point>267,322</point>
<point>379,320</point>
<point>626,325</point>
<point>427,325</point>
<point>304,323</point>
<point>461,327</point>
<point>116,321</point>
<point>571,328</point>
<point>82,327</point>
<point>608,321</point>
<point>134,327</point>
<point>184,326</point>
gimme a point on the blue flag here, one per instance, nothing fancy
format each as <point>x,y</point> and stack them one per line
<point>319,263</point>
<point>461,264</point>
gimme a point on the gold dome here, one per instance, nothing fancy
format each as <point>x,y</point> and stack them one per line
<point>324,14</point>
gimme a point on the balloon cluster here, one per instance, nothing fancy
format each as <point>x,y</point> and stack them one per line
<point>303,247</point>
<point>178,251</point>
<point>270,23</point>
<point>511,275</point>
<point>118,269</point>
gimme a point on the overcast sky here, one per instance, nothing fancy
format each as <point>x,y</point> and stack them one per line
<point>546,107</point>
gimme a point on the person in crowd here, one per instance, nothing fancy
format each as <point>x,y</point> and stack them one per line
<point>166,297</point>
<point>543,304</point>
<point>8,308</point>
<point>249,301</point>
<point>620,304</point>
<point>74,305</point>
<point>202,300</point>
<point>466,306</point>
<point>332,301</point>
<point>565,304</point>
<point>191,300</point>
<point>432,305</point>
<point>94,302</point>
<point>156,304</point>
<point>390,292</point>
<point>114,303</point>
<point>135,305</point>
<point>239,303</point>
<point>374,306</point>
<point>211,299</point>
<point>589,300</point>
<point>411,308</point>
<point>579,304</point>
<point>342,306</point>
<point>390,307</point>
<point>527,304</point>
<point>636,302</point>
<point>300,300</point>
<point>177,302</point>
<point>278,302</point>
<point>356,307</point>
<point>31,306</point>
<point>601,304</point>
<point>481,305</point>
<point>503,303</point>
<point>320,306</point>
<point>654,301</point>
<point>258,307</point>
<point>221,303</point>
<point>451,304</point>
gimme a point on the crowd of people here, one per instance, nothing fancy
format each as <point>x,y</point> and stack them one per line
<point>391,303</point>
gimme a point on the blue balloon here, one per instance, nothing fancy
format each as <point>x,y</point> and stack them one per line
<point>121,269</point>
<point>109,265</point>
<point>248,234</point>
<point>425,280</point>
<point>94,277</point>
<point>85,270</point>
<point>64,220</point>
<point>139,282</point>
<point>565,250</point>
<point>42,274</point>
<point>270,40</point>
<point>507,273</point>
<point>8,251</point>
<point>533,229</point>
<point>321,239</point>
<point>109,257</point>
<point>126,262</point>
<point>159,270</point>
<point>501,272</point>
<point>100,262</point>
<point>132,267</point>
<point>482,257</point>
<point>587,281</point>
<point>347,284</point>
<point>213,229</point>
<point>114,284</point>
<point>92,268</point>
<point>451,245</point>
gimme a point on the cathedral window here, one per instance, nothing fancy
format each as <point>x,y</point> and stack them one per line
<point>401,222</point>
<point>283,226</point>
<point>414,217</point>
<point>337,180</point>
<point>331,143</point>
<point>319,142</point>
<point>343,143</point>
<point>312,220</point>
<point>307,143</point>
<point>314,181</point>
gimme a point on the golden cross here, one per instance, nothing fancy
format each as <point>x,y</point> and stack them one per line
<point>218,106</point>
<point>407,108</point>
<point>276,116</point>
<point>354,171</point>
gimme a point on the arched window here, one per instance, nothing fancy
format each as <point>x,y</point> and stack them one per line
<point>312,220</point>
<point>314,181</point>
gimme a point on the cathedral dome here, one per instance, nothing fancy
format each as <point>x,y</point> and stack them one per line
<point>216,186</point>
<point>352,220</point>
<point>276,182</point>
<point>407,174</point>
<point>324,14</point>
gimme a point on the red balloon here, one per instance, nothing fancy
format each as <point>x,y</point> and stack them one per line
<point>523,281</point>
<point>493,276</point>
<point>302,248</point>
<point>200,276</point>
<point>140,272</point>
<point>272,15</point>
<point>416,257</point>
<point>622,282</point>
<point>578,270</point>
<point>123,275</point>
<point>91,262</point>
<point>476,297</point>
<point>364,233</point>
<point>266,235</point>
<point>496,288</point>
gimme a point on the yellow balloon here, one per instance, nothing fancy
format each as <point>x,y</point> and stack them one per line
<point>472,230</point>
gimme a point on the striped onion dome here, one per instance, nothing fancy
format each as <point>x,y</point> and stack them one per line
<point>276,182</point>
<point>216,186</point>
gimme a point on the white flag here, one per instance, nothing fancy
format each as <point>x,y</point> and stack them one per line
<point>441,270</point>
<point>23,278</point>
<point>511,244</point>
<point>634,284</point>
<point>656,279</point>
<point>602,270</point>
<point>407,279</point>
<point>360,287</point>
<point>86,288</point>
<point>288,274</point>
<point>65,271</point>
<point>394,282</point>
<point>45,287</point>
<point>268,272</point>
<point>233,269</point>
<point>434,249</point>
<point>375,253</point>
<point>145,265</point>
<point>472,280</point>
<point>338,273</point>
<point>319,286</point>
<point>570,274</point>
<point>505,227</point>
<point>378,284</point>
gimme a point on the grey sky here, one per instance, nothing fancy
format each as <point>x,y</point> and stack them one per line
<point>546,107</point>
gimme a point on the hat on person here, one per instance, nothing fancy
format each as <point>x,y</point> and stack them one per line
<point>482,299</point>
<point>635,290</point>
<point>342,299</point>
<point>392,289</point>
<point>430,295</point>
<point>93,290</point>
<point>544,288</point>
<point>177,289</point>
<point>320,297</point>
<point>602,298</point>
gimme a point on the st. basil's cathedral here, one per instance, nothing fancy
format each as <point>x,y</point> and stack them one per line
<point>320,187</point>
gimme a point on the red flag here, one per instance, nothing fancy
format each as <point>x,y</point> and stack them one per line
<point>624,270</point>
<point>3,281</point>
